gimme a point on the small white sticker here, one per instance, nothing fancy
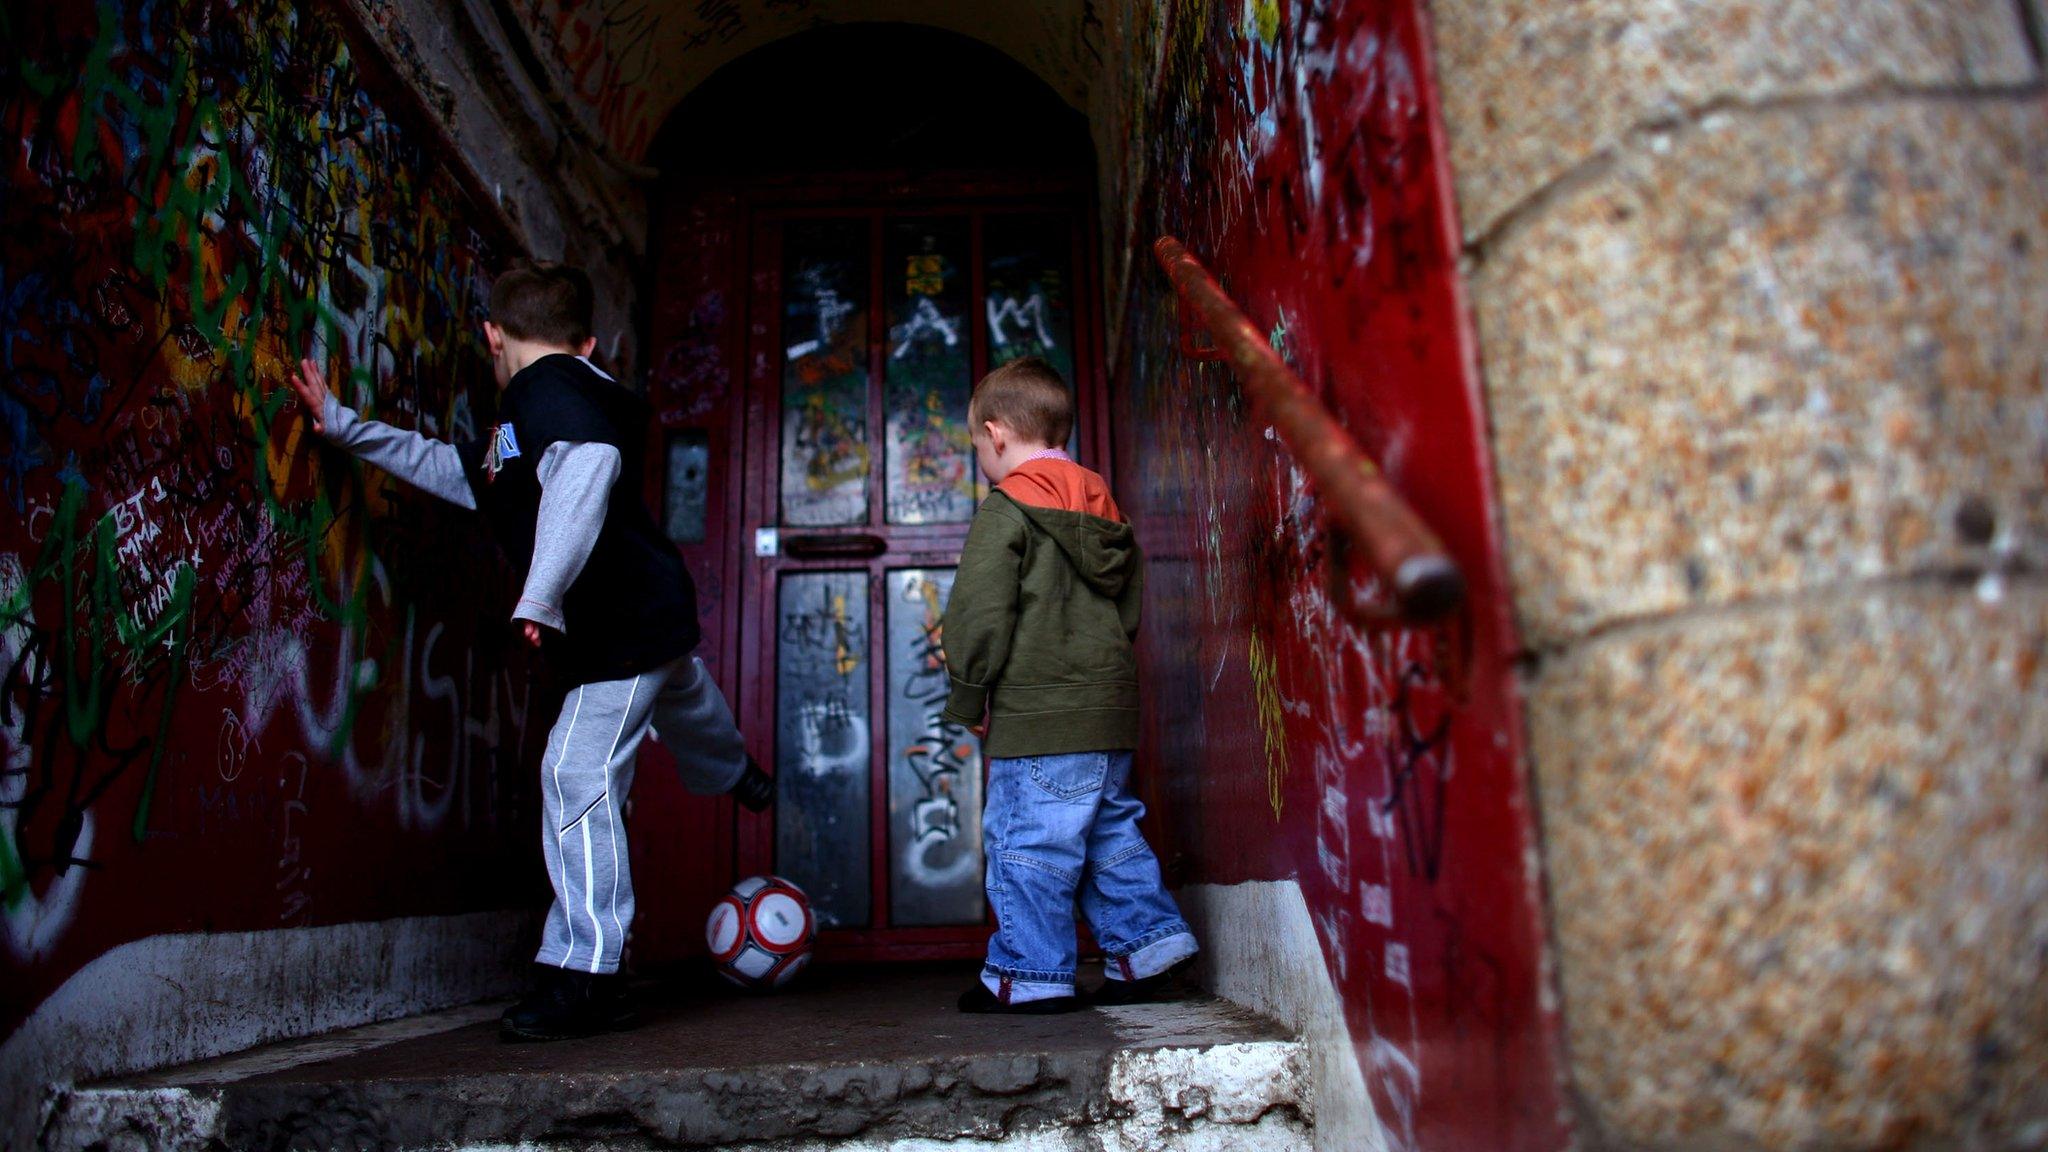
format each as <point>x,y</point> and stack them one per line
<point>1397,965</point>
<point>766,542</point>
<point>1378,900</point>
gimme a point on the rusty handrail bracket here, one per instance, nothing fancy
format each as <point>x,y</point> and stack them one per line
<point>1363,507</point>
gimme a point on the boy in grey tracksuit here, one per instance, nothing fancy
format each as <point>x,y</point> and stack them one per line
<point>606,597</point>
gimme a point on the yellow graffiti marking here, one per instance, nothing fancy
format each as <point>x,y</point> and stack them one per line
<point>934,612</point>
<point>1266,19</point>
<point>1266,691</point>
<point>926,276</point>
<point>840,452</point>
<point>844,658</point>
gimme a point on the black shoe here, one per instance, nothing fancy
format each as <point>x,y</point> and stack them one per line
<point>1162,986</point>
<point>565,1005</point>
<point>756,789</point>
<point>979,999</point>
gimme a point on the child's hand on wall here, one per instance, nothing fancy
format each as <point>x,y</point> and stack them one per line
<point>311,387</point>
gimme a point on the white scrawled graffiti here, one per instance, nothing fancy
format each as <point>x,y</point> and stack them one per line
<point>925,321</point>
<point>1028,315</point>
<point>831,738</point>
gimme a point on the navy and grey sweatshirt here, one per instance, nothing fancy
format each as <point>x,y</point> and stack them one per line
<point>602,577</point>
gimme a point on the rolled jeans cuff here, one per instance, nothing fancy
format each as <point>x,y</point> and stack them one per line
<point>1024,989</point>
<point>1153,958</point>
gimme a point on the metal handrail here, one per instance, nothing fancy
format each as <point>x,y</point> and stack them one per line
<point>1363,507</point>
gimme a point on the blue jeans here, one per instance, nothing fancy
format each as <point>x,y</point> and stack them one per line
<point>1060,829</point>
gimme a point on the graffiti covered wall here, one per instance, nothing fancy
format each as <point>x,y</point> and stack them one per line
<point>245,683</point>
<point>1292,145</point>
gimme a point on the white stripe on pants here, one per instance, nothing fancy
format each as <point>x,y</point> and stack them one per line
<point>585,778</point>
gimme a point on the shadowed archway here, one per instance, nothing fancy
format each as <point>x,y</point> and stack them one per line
<point>621,66</point>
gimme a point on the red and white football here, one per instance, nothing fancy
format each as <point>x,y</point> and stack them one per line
<point>761,932</point>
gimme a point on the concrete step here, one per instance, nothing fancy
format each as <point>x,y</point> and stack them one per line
<point>851,1058</point>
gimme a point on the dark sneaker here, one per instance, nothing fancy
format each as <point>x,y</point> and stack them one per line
<point>979,999</point>
<point>1163,986</point>
<point>756,789</point>
<point>565,1005</point>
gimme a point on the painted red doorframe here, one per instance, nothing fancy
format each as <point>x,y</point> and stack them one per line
<point>717,316</point>
<point>693,357</point>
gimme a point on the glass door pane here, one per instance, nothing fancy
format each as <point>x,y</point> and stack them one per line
<point>688,485</point>
<point>934,766</point>
<point>825,373</point>
<point>1030,300</point>
<point>930,478</point>
<point>822,751</point>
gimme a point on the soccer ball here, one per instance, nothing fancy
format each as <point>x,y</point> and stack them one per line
<point>760,933</point>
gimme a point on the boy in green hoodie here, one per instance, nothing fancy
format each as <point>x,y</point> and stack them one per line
<point>1038,635</point>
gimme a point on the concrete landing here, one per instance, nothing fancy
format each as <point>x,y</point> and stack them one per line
<point>851,1058</point>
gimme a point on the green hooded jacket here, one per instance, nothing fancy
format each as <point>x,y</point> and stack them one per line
<point>1038,631</point>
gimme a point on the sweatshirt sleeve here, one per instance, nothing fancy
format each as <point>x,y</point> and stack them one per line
<point>576,481</point>
<point>981,614</point>
<point>431,466</point>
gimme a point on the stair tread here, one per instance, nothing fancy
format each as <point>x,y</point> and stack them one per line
<point>871,1050</point>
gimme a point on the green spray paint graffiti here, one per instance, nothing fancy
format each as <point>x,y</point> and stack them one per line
<point>106,617</point>
<point>197,191</point>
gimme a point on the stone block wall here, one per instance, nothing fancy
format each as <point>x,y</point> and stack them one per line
<point>1761,292</point>
<point>566,195</point>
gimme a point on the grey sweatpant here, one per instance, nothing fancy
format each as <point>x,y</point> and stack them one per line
<point>584,780</point>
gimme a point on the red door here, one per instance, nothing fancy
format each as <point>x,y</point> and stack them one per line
<point>867,324</point>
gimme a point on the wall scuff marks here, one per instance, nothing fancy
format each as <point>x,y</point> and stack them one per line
<point>1292,146</point>
<point>244,683</point>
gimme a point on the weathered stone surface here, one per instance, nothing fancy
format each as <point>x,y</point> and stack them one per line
<point>1259,949</point>
<point>1799,869</point>
<point>177,998</point>
<point>849,1058</point>
<point>1779,351</point>
<point>565,201</point>
<point>1532,88</point>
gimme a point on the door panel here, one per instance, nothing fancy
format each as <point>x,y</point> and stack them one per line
<point>823,752</point>
<point>929,370</point>
<point>1030,302</point>
<point>934,766</point>
<point>825,373</point>
<point>684,845</point>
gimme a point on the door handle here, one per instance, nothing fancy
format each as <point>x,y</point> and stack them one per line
<point>833,545</point>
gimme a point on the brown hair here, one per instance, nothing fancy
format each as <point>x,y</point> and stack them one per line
<point>543,301</point>
<point>1029,396</point>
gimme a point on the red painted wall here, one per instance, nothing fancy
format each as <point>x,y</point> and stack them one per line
<point>244,682</point>
<point>1294,147</point>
